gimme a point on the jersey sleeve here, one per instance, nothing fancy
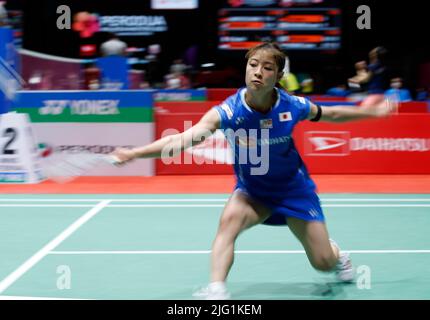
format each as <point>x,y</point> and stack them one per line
<point>303,106</point>
<point>225,112</point>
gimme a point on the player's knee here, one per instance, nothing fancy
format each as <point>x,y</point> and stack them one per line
<point>231,222</point>
<point>324,263</point>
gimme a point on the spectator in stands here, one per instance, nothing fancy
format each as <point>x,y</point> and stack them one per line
<point>289,80</point>
<point>422,94</point>
<point>177,78</point>
<point>397,91</point>
<point>153,68</point>
<point>339,91</point>
<point>92,77</point>
<point>376,78</point>
<point>178,66</point>
<point>306,83</point>
<point>3,15</point>
<point>113,47</point>
<point>357,82</point>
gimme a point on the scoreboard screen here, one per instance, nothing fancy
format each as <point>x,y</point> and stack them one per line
<point>294,25</point>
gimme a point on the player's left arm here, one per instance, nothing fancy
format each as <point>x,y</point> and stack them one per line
<point>350,113</point>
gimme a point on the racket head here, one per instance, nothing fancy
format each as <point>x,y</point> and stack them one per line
<point>66,168</point>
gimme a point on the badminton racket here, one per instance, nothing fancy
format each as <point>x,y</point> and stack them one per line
<point>72,166</point>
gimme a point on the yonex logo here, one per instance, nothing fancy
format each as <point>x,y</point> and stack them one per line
<point>327,143</point>
<point>239,120</point>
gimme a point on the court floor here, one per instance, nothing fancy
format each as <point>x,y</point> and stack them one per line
<point>158,247</point>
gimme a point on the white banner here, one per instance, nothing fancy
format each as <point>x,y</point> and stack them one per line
<point>174,4</point>
<point>97,138</point>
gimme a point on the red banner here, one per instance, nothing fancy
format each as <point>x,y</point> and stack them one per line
<point>209,157</point>
<point>396,145</point>
<point>399,144</point>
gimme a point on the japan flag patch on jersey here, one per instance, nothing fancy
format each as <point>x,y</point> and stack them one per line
<point>285,116</point>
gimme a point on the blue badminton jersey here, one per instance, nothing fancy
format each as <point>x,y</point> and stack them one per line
<point>266,162</point>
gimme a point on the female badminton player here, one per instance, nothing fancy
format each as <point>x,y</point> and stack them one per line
<point>283,193</point>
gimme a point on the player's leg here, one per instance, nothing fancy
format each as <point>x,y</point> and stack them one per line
<point>241,212</point>
<point>323,253</point>
<point>315,240</point>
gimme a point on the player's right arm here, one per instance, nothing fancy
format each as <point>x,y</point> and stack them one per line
<point>173,145</point>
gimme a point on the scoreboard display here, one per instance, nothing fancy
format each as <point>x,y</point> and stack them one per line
<point>294,25</point>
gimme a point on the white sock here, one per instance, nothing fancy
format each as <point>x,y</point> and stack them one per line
<point>217,286</point>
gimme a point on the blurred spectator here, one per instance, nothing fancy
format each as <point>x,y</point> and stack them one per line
<point>3,15</point>
<point>154,49</point>
<point>397,91</point>
<point>377,74</point>
<point>422,94</point>
<point>289,81</point>
<point>360,77</point>
<point>153,68</point>
<point>376,77</point>
<point>339,91</point>
<point>306,83</point>
<point>113,47</point>
<point>178,66</point>
<point>92,76</point>
<point>177,79</point>
<point>114,72</point>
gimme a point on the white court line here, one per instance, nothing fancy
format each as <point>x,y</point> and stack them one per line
<point>47,205</point>
<point>237,251</point>
<point>205,200</point>
<point>27,265</point>
<point>34,298</point>
<point>374,205</point>
<point>222,205</point>
<point>205,205</point>
<point>50,200</point>
<point>115,200</point>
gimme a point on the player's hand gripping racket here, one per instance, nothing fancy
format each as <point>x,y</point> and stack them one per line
<point>75,165</point>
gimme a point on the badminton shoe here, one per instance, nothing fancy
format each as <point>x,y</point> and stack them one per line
<point>344,269</point>
<point>214,291</point>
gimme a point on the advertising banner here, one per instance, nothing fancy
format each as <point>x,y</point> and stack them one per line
<point>174,4</point>
<point>213,156</point>
<point>396,145</point>
<point>180,95</point>
<point>95,121</point>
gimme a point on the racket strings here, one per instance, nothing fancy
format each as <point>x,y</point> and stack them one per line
<point>75,165</point>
